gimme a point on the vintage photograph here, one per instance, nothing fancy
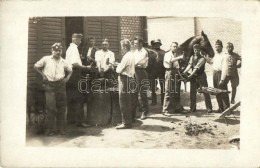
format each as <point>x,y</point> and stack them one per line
<point>134,82</point>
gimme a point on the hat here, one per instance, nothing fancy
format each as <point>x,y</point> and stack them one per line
<point>56,46</point>
<point>230,44</point>
<point>76,35</point>
<point>218,42</point>
<point>157,41</point>
<point>152,42</point>
<point>105,40</point>
<point>196,46</point>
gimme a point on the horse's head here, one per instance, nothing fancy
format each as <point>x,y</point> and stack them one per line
<point>205,45</point>
<point>187,48</point>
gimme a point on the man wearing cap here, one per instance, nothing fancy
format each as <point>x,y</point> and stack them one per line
<point>151,71</point>
<point>171,65</point>
<point>105,59</point>
<point>75,113</point>
<point>218,67</point>
<point>52,69</point>
<point>197,78</point>
<point>160,72</point>
<point>141,62</point>
<point>233,61</point>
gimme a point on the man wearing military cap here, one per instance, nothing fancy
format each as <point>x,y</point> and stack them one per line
<point>233,61</point>
<point>218,76</point>
<point>75,113</point>
<point>52,69</point>
<point>197,78</point>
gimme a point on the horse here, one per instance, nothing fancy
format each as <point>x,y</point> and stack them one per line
<point>186,48</point>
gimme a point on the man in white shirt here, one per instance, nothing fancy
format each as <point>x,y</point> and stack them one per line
<point>75,113</point>
<point>126,71</point>
<point>141,63</point>
<point>52,69</point>
<point>105,59</point>
<point>171,64</point>
<point>218,67</point>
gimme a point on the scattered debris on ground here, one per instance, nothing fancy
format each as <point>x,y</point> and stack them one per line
<point>194,129</point>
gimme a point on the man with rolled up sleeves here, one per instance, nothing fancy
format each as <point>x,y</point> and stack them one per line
<point>198,78</point>
<point>141,62</point>
<point>219,65</point>
<point>53,70</point>
<point>171,65</point>
<point>105,60</point>
<point>75,113</point>
<point>126,71</point>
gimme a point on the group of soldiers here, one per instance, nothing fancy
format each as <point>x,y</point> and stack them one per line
<point>141,68</point>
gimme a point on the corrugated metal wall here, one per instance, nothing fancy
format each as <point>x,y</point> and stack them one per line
<point>32,51</point>
<point>42,35</point>
<point>51,33</point>
<point>104,27</point>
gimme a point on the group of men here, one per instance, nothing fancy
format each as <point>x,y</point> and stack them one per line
<point>142,64</point>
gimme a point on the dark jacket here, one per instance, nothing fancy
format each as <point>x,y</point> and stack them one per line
<point>152,62</point>
<point>85,60</point>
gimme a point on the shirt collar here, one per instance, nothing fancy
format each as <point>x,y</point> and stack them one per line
<point>61,59</point>
<point>74,45</point>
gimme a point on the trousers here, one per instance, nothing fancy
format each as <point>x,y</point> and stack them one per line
<point>127,99</point>
<point>171,91</point>
<point>195,83</point>
<point>56,101</point>
<point>222,99</point>
<point>142,81</point>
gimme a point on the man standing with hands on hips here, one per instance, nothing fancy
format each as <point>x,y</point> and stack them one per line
<point>75,112</point>
<point>52,68</point>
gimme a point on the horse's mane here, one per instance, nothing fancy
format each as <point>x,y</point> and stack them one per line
<point>190,42</point>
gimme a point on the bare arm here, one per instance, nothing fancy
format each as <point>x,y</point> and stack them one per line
<point>76,65</point>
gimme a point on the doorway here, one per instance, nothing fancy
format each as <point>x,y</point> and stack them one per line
<point>73,25</point>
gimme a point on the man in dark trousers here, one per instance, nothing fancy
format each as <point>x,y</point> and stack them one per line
<point>218,66</point>
<point>233,61</point>
<point>126,71</point>
<point>160,71</point>
<point>198,78</point>
<point>141,62</point>
<point>75,113</point>
<point>151,71</point>
<point>52,68</point>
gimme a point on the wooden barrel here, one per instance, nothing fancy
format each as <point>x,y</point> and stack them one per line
<point>99,108</point>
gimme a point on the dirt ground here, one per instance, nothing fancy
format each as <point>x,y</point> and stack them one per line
<point>157,131</point>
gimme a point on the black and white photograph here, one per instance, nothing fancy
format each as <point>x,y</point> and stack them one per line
<point>133,77</point>
<point>129,84</point>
